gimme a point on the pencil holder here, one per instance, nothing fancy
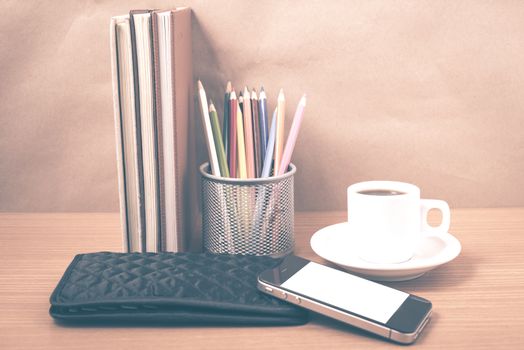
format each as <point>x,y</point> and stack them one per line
<point>248,217</point>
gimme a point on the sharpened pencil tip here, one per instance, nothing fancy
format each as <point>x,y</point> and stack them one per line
<point>262,89</point>
<point>233,95</point>
<point>303,100</point>
<point>212,106</point>
<point>254,95</point>
<point>281,95</point>
<point>200,86</point>
<point>228,87</point>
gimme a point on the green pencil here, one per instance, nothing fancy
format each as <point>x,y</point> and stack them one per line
<point>219,143</point>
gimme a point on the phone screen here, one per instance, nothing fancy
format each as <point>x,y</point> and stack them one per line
<point>347,292</point>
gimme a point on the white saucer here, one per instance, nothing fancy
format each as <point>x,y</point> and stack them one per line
<point>334,243</point>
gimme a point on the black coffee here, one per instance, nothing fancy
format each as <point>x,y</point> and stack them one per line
<point>379,192</point>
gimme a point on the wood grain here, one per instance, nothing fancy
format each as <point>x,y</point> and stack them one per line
<point>477,298</point>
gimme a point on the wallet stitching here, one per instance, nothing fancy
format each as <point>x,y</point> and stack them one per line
<point>207,278</point>
<point>135,276</point>
<point>132,299</point>
<point>180,301</point>
<point>65,278</point>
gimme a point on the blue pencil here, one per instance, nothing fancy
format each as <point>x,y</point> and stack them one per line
<point>270,147</point>
<point>262,115</point>
<point>226,120</point>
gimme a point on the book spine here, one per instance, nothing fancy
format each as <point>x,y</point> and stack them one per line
<point>186,166</point>
<point>138,138</point>
<point>179,123</point>
<point>160,139</point>
<point>145,77</point>
<point>118,135</point>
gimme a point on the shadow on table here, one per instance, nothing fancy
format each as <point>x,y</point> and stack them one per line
<point>164,324</point>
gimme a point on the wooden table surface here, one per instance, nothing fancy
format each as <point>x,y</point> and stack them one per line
<point>478,298</point>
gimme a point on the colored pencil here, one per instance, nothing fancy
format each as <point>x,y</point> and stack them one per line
<point>292,137</point>
<point>241,101</point>
<point>279,141</point>
<point>256,133</point>
<point>248,135</point>
<point>241,146</point>
<point>241,108</point>
<point>262,117</point>
<point>217,134</point>
<point>233,106</point>
<point>211,149</point>
<point>226,119</point>
<point>266,170</point>
<point>241,105</point>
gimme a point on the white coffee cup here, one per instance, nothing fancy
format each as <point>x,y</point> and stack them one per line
<point>388,219</point>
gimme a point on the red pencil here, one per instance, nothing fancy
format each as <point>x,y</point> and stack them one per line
<point>232,133</point>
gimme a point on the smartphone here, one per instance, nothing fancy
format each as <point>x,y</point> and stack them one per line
<point>371,306</point>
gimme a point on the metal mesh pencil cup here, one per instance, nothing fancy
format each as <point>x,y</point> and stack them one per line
<point>248,217</point>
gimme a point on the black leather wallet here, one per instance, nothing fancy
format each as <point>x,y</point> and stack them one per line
<point>175,288</point>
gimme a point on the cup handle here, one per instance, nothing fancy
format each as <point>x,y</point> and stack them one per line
<point>428,204</point>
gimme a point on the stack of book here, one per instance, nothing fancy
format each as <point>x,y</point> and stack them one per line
<point>152,91</point>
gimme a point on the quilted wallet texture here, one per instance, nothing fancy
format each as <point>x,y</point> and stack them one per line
<point>175,288</point>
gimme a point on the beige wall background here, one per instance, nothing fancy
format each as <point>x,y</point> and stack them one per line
<point>429,92</point>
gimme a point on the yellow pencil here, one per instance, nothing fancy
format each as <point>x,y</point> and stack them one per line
<point>279,142</point>
<point>241,147</point>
